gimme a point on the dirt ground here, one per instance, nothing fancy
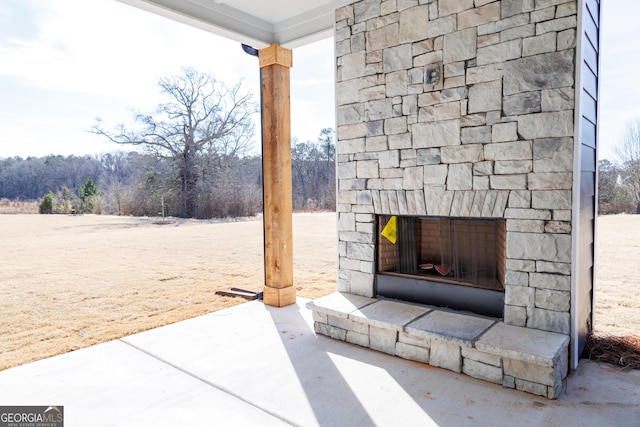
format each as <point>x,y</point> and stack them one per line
<point>617,292</point>
<point>68,282</point>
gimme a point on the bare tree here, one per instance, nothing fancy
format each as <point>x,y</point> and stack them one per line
<point>313,165</point>
<point>628,153</point>
<point>203,125</point>
<point>325,139</point>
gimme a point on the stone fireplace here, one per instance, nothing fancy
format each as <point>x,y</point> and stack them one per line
<point>472,123</point>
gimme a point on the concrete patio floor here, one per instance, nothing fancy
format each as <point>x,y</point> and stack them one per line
<point>253,365</point>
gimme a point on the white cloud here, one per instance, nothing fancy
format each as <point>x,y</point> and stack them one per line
<point>108,48</point>
<point>111,55</point>
<point>619,91</point>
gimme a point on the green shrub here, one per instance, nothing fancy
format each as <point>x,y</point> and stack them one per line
<point>90,198</point>
<point>47,205</point>
<point>66,201</point>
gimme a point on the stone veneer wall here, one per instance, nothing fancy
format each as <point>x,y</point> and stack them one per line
<point>493,138</point>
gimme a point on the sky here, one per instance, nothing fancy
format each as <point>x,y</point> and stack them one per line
<point>64,63</point>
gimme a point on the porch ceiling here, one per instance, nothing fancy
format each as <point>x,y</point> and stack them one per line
<point>259,23</point>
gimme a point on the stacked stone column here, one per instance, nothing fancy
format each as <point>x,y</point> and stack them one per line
<point>493,137</point>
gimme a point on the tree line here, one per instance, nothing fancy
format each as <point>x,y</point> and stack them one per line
<point>193,159</point>
<point>133,183</point>
<point>619,180</point>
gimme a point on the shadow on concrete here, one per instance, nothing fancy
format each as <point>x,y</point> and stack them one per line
<point>326,390</point>
<point>344,384</point>
<point>348,385</point>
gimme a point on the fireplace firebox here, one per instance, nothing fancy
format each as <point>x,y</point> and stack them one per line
<point>448,262</point>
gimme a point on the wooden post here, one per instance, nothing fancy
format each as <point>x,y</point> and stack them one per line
<point>275,62</point>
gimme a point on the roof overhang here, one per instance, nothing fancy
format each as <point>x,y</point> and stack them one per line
<point>259,23</point>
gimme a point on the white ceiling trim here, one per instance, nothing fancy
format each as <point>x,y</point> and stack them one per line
<point>219,18</point>
<point>310,26</point>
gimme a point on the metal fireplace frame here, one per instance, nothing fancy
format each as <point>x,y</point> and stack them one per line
<point>459,297</point>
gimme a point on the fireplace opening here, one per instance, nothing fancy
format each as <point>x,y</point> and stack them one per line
<point>452,262</point>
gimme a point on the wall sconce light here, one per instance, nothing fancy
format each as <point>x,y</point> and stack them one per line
<point>432,75</point>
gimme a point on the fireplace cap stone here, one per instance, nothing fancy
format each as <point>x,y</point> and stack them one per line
<point>339,304</point>
<point>525,344</point>
<point>388,314</point>
<point>453,328</point>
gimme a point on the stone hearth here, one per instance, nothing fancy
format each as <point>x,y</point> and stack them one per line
<point>530,360</point>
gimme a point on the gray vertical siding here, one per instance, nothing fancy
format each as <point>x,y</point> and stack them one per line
<point>588,166</point>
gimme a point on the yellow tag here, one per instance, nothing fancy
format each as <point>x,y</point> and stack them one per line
<point>390,230</point>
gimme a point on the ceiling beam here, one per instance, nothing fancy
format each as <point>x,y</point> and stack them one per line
<point>216,18</point>
<point>224,20</point>
<point>308,27</point>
